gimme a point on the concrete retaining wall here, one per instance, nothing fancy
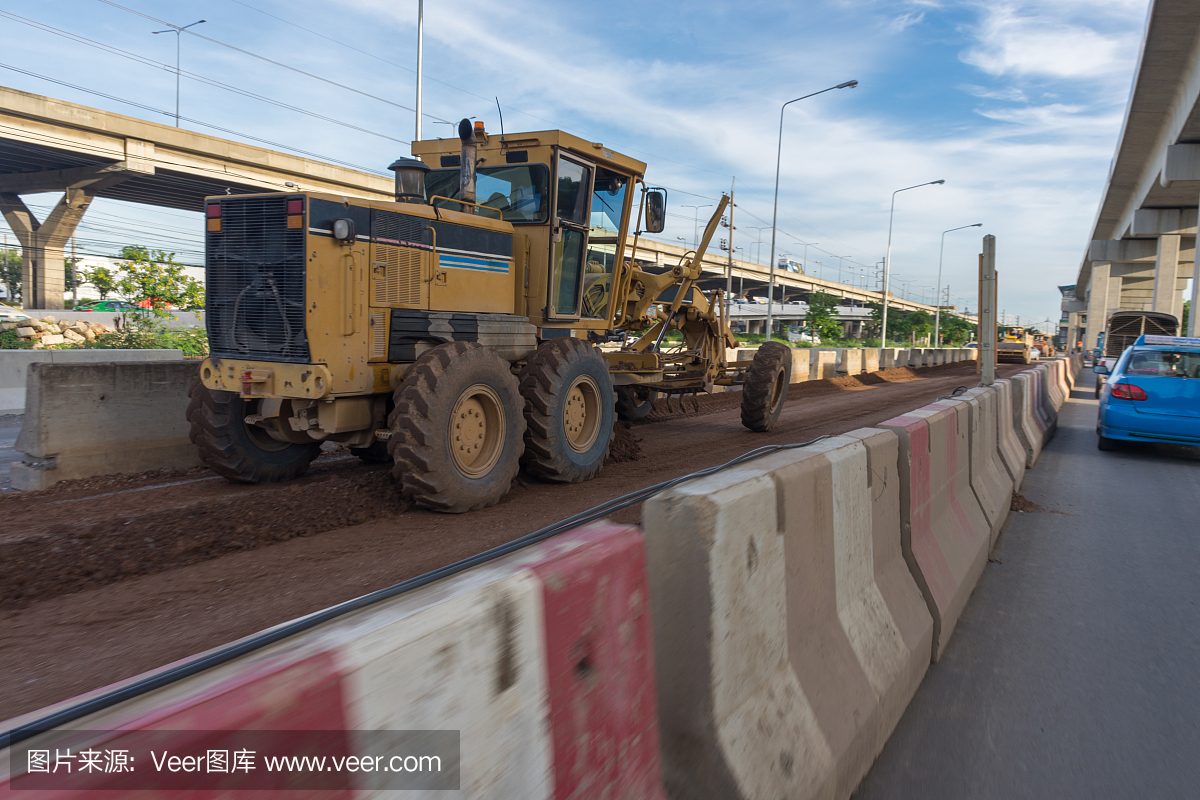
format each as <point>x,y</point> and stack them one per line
<point>97,419</point>
<point>14,364</point>
<point>789,634</point>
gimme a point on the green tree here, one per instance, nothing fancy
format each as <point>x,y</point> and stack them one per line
<point>102,279</point>
<point>10,272</point>
<point>1187,312</point>
<point>152,279</point>
<point>920,323</point>
<point>819,318</point>
<point>956,330</point>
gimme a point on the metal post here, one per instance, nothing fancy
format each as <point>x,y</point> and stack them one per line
<point>420,61</point>
<point>987,310</point>
<point>729,269</point>
<point>887,259</point>
<point>775,210</point>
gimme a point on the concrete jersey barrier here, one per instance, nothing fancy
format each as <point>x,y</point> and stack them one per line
<point>789,633</point>
<point>99,419</point>
<point>944,532</point>
<point>14,366</point>
<point>1025,424</point>
<point>990,480</point>
<point>1012,454</point>
<point>540,660</point>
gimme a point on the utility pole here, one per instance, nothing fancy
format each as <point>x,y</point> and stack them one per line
<point>729,268</point>
<point>420,62</point>
<point>178,31</point>
<point>74,275</point>
<point>987,310</point>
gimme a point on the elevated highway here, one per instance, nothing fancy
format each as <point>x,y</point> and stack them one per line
<point>1143,245</point>
<point>49,145</point>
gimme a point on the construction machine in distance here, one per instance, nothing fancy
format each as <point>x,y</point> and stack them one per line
<point>453,331</point>
<point>1015,345</point>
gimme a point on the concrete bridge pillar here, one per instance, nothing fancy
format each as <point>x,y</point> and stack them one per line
<point>1098,301</point>
<point>43,277</point>
<point>1167,297</point>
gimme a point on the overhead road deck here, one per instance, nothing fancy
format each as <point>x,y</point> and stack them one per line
<point>1143,243</point>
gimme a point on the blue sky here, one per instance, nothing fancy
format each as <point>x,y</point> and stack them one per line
<point>1017,105</point>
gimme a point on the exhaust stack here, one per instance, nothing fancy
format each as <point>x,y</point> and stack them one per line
<point>466,169</point>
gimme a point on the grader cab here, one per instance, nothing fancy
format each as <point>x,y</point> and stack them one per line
<point>454,331</point>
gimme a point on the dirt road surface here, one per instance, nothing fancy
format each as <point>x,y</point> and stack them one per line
<point>104,579</point>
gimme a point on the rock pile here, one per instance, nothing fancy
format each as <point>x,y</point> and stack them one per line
<point>48,331</point>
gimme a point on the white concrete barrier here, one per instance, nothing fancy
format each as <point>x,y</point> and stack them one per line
<point>801,360</point>
<point>541,662</point>
<point>789,634</point>
<point>990,479</point>
<point>850,361</point>
<point>14,364</point>
<point>870,359</point>
<point>1012,453</point>
<point>99,419</point>
<point>1024,388</point>
<point>823,364</point>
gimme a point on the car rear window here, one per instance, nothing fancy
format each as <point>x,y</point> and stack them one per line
<point>1164,363</point>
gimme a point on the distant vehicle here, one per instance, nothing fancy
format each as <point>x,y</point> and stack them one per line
<point>1152,393</point>
<point>791,266</point>
<point>10,314</point>
<point>972,345</point>
<point>1015,345</point>
<point>108,305</point>
<point>1124,327</point>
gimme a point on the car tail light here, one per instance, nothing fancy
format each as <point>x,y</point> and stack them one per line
<point>1127,391</point>
<point>213,210</point>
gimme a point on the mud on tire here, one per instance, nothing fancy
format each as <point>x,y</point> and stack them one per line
<point>235,450</point>
<point>463,387</point>
<point>766,386</point>
<point>633,403</point>
<point>569,410</point>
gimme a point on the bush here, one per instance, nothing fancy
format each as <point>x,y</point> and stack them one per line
<point>150,335</point>
<point>10,341</point>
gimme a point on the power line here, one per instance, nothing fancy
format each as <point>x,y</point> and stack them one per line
<point>191,75</point>
<point>267,60</point>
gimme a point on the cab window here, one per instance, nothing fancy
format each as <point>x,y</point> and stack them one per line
<point>573,191</point>
<point>608,206</point>
<point>521,194</point>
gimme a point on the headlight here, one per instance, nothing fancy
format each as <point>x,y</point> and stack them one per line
<point>344,231</point>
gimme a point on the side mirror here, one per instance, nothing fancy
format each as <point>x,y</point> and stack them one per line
<point>656,210</point>
<point>1100,369</point>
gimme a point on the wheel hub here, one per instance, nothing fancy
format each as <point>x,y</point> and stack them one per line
<point>581,414</point>
<point>477,431</point>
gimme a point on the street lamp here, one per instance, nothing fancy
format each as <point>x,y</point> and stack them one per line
<point>887,260</point>
<point>839,258</point>
<point>177,31</point>
<point>696,224</point>
<point>760,229</point>
<point>775,211</point>
<point>937,315</point>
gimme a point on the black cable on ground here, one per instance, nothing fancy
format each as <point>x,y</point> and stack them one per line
<point>259,641</point>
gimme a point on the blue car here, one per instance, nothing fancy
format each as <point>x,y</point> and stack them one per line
<point>1152,393</point>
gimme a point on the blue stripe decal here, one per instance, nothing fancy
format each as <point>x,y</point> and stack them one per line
<point>465,262</point>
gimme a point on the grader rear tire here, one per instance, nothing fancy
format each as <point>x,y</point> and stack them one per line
<point>631,406</point>
<point>766,386</point>
<point>457,429</point>
<point>240,452</point>
<point>569,409</point>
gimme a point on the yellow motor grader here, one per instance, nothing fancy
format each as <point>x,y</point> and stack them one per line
<point>454,331</point>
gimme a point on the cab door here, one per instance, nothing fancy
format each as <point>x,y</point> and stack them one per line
<point>569,233</point>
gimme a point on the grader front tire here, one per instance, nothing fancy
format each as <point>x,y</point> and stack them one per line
<point>237,451</point>
<point>765,389</point>
<point>569,409</point>
<point>457,429</point>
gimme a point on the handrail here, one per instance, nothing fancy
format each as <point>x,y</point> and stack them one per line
<point>466,203</point>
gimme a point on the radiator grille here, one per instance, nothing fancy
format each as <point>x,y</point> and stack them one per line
<point>254,282</point>
<point>379,334</point>
<point>397,276</point>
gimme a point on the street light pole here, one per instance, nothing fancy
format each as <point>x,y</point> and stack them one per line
<point>420,62</point>
<point>177,31</point>
<point>887,260</point>
<point>937,315</point>
<point>775,211</point>
<point>696,224</point>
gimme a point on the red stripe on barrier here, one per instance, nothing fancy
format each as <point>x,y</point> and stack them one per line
<point>600,664</point>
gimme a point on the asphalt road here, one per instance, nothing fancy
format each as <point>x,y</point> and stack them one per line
<point>1075,669</point>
